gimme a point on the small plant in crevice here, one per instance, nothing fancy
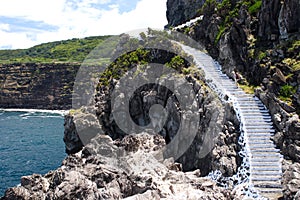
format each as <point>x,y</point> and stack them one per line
<point>286,93</point>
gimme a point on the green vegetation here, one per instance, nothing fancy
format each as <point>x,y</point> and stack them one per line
<point>292,63</point>
<point>208,7</point>
<point>142,55</point>
<point>73,50</point>
<point>249,89</point>
<point>220,33</point>
<point>295,45</point>
<point>261,55</point>
<point>286,92</point>
<point>254,8</point>
<point>228,11</point>
<point>176,63</point>
<point>123,63</point>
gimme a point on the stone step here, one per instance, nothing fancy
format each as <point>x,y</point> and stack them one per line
<point>226,83</point>
<point>252,107</point>
<point>266,178</point>
<point>265,173</point>
<point>265,150</point>
<point>261,146</point>
<point>255,111</point>
<point>266,160</point>
<point>248,100</point>
<point>259,136</point>
<point>256,147</point>
<point>256,114</point>
<point>249,103</point>
<point>266,133</point>
<point>257,123</point>
<point>275,193</point>
<point>254,131</point>
<point>263,164</point>
<point>257,118</point>
<point>267,184</point>
<point>251,129</point>
<point>268,154</point>
<point>258,142</point>
<point>271,193</point>
<point>266,165</point>
<point>275,169</point>
<point>238,95</point>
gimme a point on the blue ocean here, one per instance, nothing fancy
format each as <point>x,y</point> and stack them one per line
<point>30,142</point>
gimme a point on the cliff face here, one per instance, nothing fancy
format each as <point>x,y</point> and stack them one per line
<point>39,86</point>
<point>260,39</point>
<point>179,11</point>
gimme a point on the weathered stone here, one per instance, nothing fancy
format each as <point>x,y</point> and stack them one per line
<point>180,11</point>
<point>137,175</point>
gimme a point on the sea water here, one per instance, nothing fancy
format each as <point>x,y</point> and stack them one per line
<point>31,141</point>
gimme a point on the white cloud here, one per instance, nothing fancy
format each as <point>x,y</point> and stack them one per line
<point>77,19</point>
<point>4,27</point>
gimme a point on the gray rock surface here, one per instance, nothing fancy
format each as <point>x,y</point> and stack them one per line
<point>180,11</point>
<point>137,175</point>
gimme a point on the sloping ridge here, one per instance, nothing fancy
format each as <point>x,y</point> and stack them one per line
<point>256,124</point>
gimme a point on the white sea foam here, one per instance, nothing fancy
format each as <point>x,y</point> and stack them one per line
<point>60,112</point>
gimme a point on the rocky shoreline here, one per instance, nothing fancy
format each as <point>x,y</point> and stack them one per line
<point>121,166</point>
<point>115,165</point>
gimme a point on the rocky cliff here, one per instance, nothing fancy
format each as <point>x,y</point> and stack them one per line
<point>179,11</point>
<point>39,86</point>
<point>260,41</point>
<point>119,164</point>
<point>256,38</point>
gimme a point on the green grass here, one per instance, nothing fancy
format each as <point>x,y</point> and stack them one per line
<point>262,55</point>
<point>249,89</point>
<point>253,9</point>
<point>73,50</point>
<point>220,33</point>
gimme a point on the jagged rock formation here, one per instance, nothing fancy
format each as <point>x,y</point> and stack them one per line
<point>127,167</point>
<point>263,45</point>
<point>137,176</point>
<point>179,11</point>
<point>39,86</point>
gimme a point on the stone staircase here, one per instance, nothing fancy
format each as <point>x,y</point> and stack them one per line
<point>188,23</point>
<point>256,124</point>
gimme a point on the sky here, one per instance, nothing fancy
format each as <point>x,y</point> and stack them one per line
<point>25,23</point>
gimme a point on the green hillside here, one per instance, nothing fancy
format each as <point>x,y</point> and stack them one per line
<point>73,50</point>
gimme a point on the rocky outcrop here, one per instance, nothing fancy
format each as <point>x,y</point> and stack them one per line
<point>291,180</point>
<point>137,175</point>
<point>261,43</point>
<point>180,11</point>
<point>287,124</point>
<point>39,86</point>
<point>72,140</point>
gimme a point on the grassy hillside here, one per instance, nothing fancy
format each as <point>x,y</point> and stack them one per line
<point>73,50</point>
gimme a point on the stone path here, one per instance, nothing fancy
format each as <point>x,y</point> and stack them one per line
<point>265,159</point>
<point>189,23</point>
